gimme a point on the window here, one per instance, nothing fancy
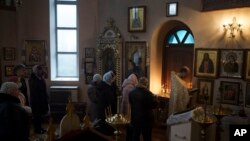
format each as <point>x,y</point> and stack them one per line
<point>64,40</point>
<point>181,36</point>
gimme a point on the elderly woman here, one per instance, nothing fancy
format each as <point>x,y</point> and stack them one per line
<point>14,120</point>
<point>38,97</point>
<point>127,86</point>
<point>93,97</point>
<point>107,95</point>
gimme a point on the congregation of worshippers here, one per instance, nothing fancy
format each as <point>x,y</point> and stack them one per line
<point>138,70</point>
<point>25,104</point>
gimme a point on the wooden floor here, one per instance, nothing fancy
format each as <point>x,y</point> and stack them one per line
<point>159,133</point>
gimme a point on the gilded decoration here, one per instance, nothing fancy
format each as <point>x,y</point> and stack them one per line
<point>109,45</point>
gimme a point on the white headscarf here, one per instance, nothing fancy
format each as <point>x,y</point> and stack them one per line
<point>109,77</point>
<point>34,69</point>
<point>97,77</point>
<point>133,78</point>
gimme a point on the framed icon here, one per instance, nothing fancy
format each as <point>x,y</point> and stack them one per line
<point>89,53</point>
<point>247,69</point>
<point>9,53</point>
<point>172,9</point>
<point>137,19</point>
<point>9,70</point>
<point>229,92</point>
<point>89,71</point>
<point>35,52</point>
<point>231,63</point>
<point>206,61</point>
<point>135,58</point>
<point>206,88</point>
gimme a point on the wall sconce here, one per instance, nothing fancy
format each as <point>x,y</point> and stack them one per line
<point>232,27</point>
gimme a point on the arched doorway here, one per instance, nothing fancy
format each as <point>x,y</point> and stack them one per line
<point>158,43</point>
<point>169,44</point>
<point>177,52</point>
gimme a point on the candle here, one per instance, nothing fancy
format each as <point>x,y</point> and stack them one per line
<point>168,90</point>
<point>118,104</point>
<point>190,85</point>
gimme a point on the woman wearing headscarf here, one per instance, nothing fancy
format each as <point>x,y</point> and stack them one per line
<point>106,100</point>
<point>93,97</point>
<point>38,97</point>
<point>127,86</point>
<point>107,95</point>
<point>14,119</point>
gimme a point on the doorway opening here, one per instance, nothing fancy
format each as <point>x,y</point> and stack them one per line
<point>178,51</point>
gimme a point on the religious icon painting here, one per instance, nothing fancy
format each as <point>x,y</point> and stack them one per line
<point>172,9</point>
<point>229,92</point>
<point>35,52</point>
<point>206,62</point>
<point>9,53</point>
<point>9,70</point>
<point>231,63</point>
<point>206,88</point>
<point>247,65</point>
<point>135,58</point>
<point>137,19</point>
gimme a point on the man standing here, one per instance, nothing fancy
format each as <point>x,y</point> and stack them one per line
<point>38,97</point>
<point>142,103</point>
<point>20,79</point>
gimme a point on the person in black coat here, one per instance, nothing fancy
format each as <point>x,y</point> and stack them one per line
<point>20,77</point>
<point>38,97</point>
<point>107,95</point>
<point>142,103</point>
<point>14,120</point>
<point>93,97</point>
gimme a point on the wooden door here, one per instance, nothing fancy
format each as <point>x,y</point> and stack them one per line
<point>175,58</point>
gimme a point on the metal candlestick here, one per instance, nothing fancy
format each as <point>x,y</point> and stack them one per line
<point>201,116</point>
<point>118,121</point>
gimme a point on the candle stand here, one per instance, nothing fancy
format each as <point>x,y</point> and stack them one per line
<point>204,120</point>
<point>118,121</point>
<point>220,112</point>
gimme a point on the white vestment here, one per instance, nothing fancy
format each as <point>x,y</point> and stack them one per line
<point>179,97</point>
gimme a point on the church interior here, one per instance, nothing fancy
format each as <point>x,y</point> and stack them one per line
<point>74,39</point>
